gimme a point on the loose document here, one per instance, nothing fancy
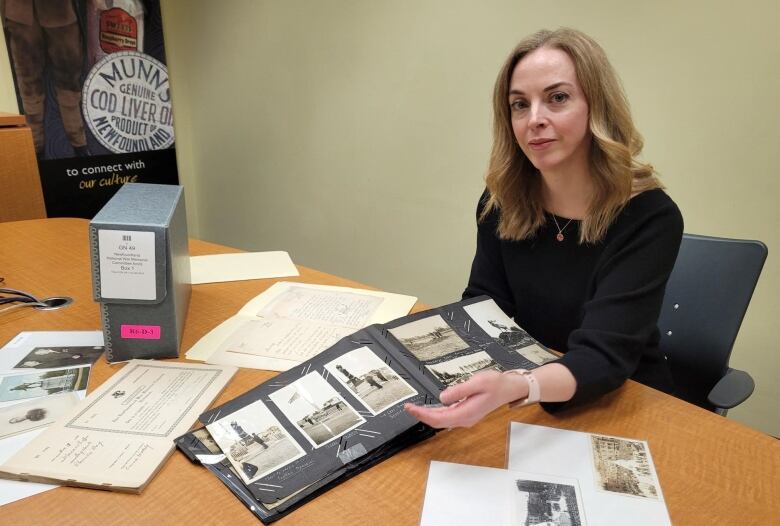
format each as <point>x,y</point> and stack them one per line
<point>291,322</point>
<point>241,266</point>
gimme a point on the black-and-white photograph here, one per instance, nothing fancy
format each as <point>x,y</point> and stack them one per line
<point>536,354</point>
<point>254,441</point>
<point>429,338</point>
<point>207,440</point>
<point>462,368</point>
<point>498,325</point>
<point>544,503</point>
<point>623,466</point>
<point>51,357</point>
<point>40,383</point>
<point>370,379</point>
<point>316,409</point>
<point>33,414</point>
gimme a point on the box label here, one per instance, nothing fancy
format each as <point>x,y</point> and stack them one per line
<point>140,332</point>
<point>127,265</point>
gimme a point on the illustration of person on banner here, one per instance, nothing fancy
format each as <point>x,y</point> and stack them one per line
<point>41,33</point>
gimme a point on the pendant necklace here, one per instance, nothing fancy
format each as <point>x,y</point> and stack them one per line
<point>560,236</point>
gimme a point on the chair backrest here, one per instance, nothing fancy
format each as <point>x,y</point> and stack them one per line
<point>706,297</point>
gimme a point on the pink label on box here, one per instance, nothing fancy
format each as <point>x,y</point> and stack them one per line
<point>140,332</point>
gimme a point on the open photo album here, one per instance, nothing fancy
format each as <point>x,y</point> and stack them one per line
<point>309,428</point>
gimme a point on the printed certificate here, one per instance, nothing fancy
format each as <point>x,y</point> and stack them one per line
<point>118,437</point>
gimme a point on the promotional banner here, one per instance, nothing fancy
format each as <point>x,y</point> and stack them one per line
<point>92,82</point>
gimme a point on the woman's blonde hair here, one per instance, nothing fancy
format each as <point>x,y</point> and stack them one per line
<point>514,184</point>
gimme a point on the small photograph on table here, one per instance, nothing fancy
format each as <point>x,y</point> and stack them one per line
<point>36,413</point>
<point>548,503</point>
<point>429,338</point>
<point>624,466</point>
<point>370,379</point>
<point>51,357</point>
<point>462,368</point>
<point>316,409</point>
<point>254,441</point>
<point>43,383</point>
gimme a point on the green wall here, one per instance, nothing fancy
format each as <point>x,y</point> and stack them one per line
<point>355,134</point>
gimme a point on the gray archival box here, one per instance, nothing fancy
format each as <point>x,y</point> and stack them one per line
<point>141,271</point>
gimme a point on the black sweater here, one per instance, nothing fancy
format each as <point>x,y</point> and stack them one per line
<point>597,303</point>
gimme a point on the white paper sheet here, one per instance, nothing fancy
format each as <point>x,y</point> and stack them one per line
<point>12,490</point>
<point>291,322</point>
<point>568,453</point>
<point>458,494</point>
<point>241,266</point>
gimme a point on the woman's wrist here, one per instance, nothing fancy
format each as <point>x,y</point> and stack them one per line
<point>525,389</point>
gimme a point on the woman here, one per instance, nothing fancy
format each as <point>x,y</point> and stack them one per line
<point>576,238</point>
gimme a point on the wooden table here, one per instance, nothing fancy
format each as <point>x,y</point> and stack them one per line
<point>712,470</point>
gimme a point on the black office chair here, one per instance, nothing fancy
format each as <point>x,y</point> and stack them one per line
<point>706,298</point>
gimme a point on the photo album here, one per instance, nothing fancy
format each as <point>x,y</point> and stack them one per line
<point>309,428</point>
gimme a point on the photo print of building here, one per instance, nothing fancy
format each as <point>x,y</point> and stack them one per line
<point>462,368</point>
<point>548,504</point>
<point>623,466</point>
<point>254,441</point>
<point>316,409</point>
<point>370,379</point>
<point>429,338</point>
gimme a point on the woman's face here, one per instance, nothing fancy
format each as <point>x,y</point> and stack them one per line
<point>549,112</point>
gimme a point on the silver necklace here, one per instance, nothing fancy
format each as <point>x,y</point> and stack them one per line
<point>560,236</point>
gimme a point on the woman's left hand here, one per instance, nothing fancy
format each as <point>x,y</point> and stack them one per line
<point>467,403</point>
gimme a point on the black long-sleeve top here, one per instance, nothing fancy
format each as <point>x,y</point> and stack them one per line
<point>597,303</point>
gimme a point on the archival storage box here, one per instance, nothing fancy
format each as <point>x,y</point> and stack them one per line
<point>141,271</point>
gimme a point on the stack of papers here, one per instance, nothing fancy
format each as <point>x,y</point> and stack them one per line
<point>291,322</point>
<point>43,376</point>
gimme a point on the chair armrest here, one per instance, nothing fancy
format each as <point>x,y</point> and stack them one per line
<point>734,388</point>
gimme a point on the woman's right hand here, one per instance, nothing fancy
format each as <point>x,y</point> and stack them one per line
<point>467,403</point>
